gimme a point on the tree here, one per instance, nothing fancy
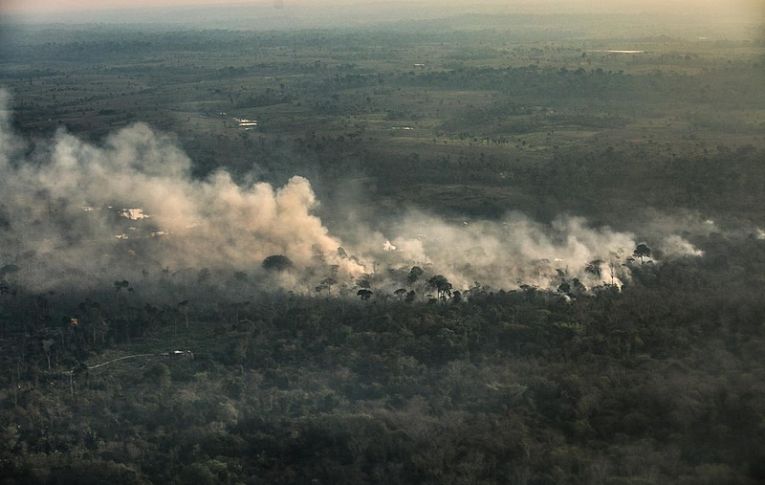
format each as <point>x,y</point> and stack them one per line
<point>365,294</point>
<point>414,275</point>
<point>642,251</point>
<point>203,276</point>
<point>613,266</point>
<point>594,267</point>
<point>47,344</point>
<point>327,284</point>
<point>441,285</point>
<point>239,307</point>
<point>183,308</point>
<point>277,262</point>
<point>364,282</point>
<point>159,375</point>
<point>400,293</point>
<point>119,285</point>
<point>8,269</point>
<point>577,287</point>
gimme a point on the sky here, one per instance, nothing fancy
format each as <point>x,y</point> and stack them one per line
<point>85,11</point>
<point>22,6</point>
<point>69,5</point>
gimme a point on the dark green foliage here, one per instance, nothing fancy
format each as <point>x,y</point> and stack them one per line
<point>441,285</point>
<point>158,375</point>
<point>414,274</point>
<point>277,262</point>
<point>8,269</point>
<point>120,285</point>
<point>642,251</point>
<point>660,383</point>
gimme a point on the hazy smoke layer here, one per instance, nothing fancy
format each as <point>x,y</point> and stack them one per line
<point>512,252</point>
<point>78,214</point>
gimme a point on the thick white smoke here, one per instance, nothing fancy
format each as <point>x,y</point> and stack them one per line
<point>512,252</point>
<point>78,214</point>
<point>81,210</point>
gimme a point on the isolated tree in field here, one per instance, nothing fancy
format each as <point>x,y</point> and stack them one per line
<point>642,251</point>
<point>441,285</point>
<point>364,294</point>
<point>414,275</point>
<point>400,293</point>
<point>277,262</point>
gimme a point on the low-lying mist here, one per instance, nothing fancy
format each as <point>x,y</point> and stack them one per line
<point>76,215</point>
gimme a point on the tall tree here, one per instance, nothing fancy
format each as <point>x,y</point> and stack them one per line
<point>441,285</point>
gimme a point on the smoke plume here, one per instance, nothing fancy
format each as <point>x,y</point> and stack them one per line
<point>76,214</point>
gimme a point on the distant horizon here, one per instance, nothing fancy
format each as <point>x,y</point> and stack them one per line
<point>741,7</point>
<point>738,19</point>
<point>41,6</point>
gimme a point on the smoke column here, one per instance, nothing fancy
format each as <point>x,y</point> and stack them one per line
<point>76,214</point>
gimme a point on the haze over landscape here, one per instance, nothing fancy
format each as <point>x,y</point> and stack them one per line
<point>364,12</point>
<point>382,242</point>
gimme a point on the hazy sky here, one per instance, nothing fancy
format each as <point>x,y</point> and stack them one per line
<point>49,5</point>
<point>717,11</point>
<point>43,5</point>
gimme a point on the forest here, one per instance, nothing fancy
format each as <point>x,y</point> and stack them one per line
<point>659,382</point>
<point>509,249</point>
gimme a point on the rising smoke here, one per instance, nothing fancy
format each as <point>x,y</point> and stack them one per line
<point>75,214</point>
